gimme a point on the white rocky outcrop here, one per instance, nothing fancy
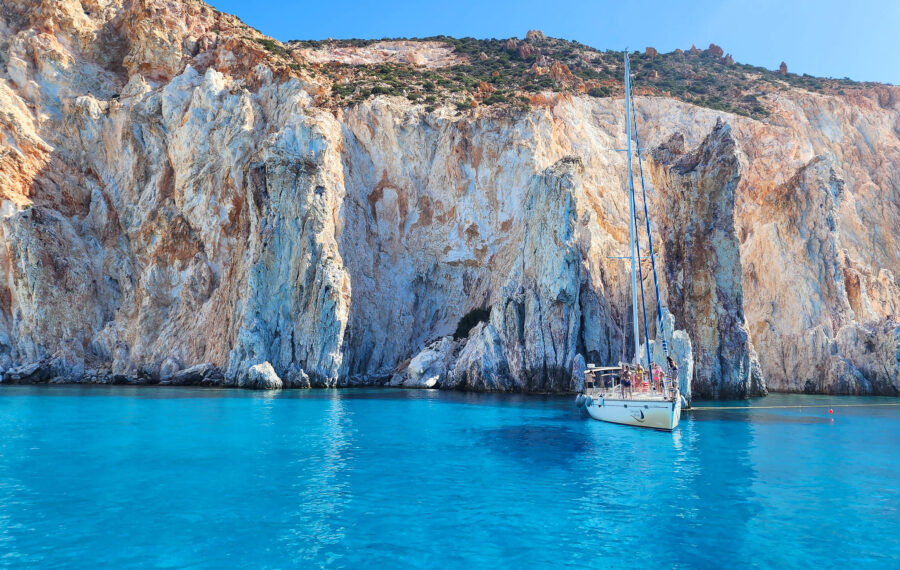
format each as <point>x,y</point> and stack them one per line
<point>261,377</point>
<point>678,343</point>
<point>430,367</point>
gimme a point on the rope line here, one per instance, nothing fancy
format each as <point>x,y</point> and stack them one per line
<point>707,408</point>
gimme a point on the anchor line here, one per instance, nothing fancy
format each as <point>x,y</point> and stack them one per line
<point>708,408</point>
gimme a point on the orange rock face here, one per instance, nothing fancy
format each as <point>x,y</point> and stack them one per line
<point>560,73</point>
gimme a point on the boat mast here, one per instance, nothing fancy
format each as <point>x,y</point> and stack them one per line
<point>634,300</point>
<point>660,335</point>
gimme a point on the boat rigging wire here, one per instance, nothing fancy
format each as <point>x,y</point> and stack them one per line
<point>636,246</point>
<point>659,315</point>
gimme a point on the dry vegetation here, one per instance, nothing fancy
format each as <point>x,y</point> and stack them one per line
<point>513,72</point>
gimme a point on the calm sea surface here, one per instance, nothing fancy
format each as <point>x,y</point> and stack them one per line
<point>174,477</point>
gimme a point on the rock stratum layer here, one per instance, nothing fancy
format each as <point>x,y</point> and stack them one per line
<point>179,208</point>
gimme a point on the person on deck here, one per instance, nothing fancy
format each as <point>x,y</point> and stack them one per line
<point>625,385</point>
<point>657,377</point>
<point>640,379</point>
<point>673,372</point>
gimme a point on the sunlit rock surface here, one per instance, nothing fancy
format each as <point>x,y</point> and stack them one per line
<point>178,208</point>
<point>261,377</point>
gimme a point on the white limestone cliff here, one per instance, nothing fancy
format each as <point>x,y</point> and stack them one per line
<point>177,208</point>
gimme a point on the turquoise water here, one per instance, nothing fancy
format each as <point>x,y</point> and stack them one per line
<point>174,477</point>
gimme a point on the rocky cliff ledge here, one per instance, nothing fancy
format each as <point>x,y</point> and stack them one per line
<point>183,204</point>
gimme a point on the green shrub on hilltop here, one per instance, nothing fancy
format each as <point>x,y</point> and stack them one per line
<point>271,46</point>
<point>700,77</point>
<point>599,92</point>
<point>342,90</point>
<point>495,98</point>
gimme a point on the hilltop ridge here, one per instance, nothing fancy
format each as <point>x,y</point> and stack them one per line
<point>491,71</point>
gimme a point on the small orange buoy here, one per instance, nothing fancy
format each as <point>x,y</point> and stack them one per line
<point>830,411</point>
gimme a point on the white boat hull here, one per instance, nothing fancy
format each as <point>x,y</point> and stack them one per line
<point>659,414</point>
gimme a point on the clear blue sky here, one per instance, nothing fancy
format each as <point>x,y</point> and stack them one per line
<point>859,39</point>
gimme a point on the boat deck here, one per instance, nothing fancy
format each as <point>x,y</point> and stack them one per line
<point>603,381</point>
<point>616,394</point>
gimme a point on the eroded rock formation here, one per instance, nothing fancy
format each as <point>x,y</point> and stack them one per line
<point>703,261</point>
<point>532,337</point>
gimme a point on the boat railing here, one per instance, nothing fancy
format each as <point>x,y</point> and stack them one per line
<point>606,382</point>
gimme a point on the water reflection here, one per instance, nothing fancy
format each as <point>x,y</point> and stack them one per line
<point>716,492</point>
<point>755,417</point>
<point>17,448</point>
<point>11,491</point>
<point>321,488</point>
<point>391,478</point>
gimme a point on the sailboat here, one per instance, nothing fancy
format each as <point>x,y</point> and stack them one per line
<point>637,393</point>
